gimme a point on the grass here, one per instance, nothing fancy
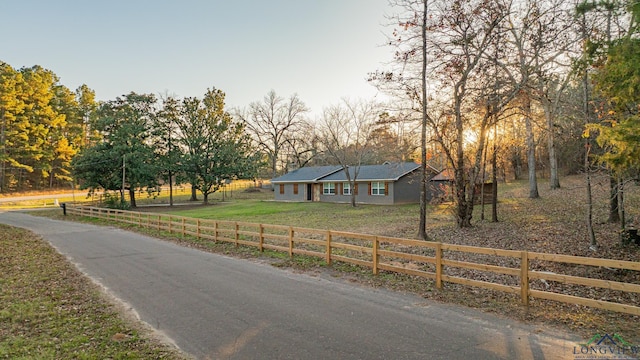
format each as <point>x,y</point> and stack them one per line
<point>50,311</point>
<point>311,215</point>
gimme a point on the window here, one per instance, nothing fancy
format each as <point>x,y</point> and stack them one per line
<point>329,188</point>
<point>295,189</point>
<point>346,189</point>
<point>377,188</point>
<point>281,189</point>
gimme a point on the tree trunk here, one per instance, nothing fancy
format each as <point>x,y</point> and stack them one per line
<point>460,183</point>
<point>462,219</point>
<point>614,215</point>
<point>422,228</point>
<point>205,198</point>
<point>494,179</point>
<point>352,185</point>
<point>531,151</point>
<point>4,153</point>
<point>132,197</point>
<point>517,166</point>
<point>194,194</point>
<point>554,180</point>
<point>620,197</point>
<point>170,188</point>
<point>274,166</point>
<point>593,245</point>
<point>484,174</point>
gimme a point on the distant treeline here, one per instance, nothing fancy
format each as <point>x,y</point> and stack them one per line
<point>43,124</point>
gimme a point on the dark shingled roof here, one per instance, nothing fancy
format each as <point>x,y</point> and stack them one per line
<point>306,174</point>
<point>384,172</point>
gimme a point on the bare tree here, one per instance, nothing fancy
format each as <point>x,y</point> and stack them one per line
<point>409,38</point>
<point>531,146</point>
<point>541,32</point>
<point>584,76</point>
<point>468,38</point>
<point>273,124</point>
<point>345,134</point>
<point>301,148</point>
<point>464,74</point>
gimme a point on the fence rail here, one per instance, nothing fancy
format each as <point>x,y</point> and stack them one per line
<point>432,260</point>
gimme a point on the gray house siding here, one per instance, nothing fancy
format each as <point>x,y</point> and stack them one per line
<point>338,197</point>
<point>364,195</point>
<point>288,193</point>
<point>386,198</point>
<point>407,189</point>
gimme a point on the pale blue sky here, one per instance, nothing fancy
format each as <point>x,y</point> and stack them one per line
<point>320,49</point>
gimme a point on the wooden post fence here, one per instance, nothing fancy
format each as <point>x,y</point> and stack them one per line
<point>355,248</point>
<point>524,278</point>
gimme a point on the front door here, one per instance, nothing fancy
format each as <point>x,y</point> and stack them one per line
<point>309,192</point>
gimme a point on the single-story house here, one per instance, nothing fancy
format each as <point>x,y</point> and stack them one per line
<point>389,183</point>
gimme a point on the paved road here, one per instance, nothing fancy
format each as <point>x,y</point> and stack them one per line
<point>215,307</point>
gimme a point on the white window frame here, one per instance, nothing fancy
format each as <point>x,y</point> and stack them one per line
<point>377,188</point>
<point>346,188</point>
<point>329,188</point>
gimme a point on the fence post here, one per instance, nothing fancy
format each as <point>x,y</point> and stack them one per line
<point>198,228</point>
<point>158,222</point>
<point>328,259</point>
<point>215,231</point>
<point>375,256</point>
<point>237,236</point>
<point>261,240</point>
<point>524,278</point>
<point>438,265</point>
<point>170,224</point>
<point>183,228</point>
<point>290,241</point>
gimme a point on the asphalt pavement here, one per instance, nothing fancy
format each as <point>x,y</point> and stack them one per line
<point>217,307</point>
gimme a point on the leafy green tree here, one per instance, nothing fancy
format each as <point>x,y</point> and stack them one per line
<point>618,80</point>
<point>87,106</point>
<point>38,121</point>
<point>218,149</point>
<point>168,149</point>
<point>98,167</point>
<point>10,108</point>
<point>126,150</point>
<point>606,42</point>
<point>62,141</point>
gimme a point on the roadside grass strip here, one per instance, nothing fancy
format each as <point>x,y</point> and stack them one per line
<point>49,310</point>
